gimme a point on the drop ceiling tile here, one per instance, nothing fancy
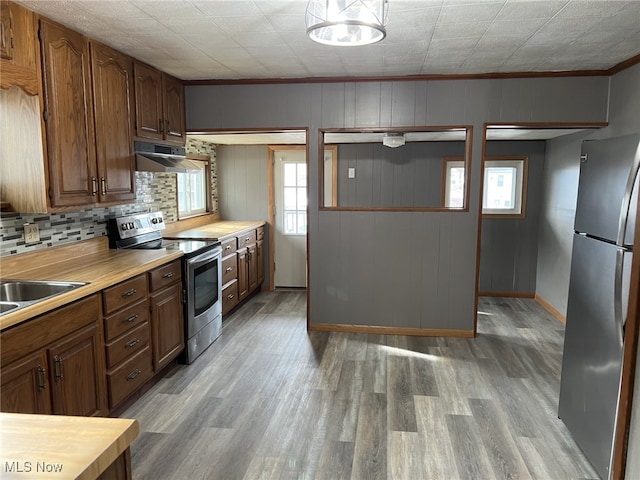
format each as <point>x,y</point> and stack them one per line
<point>460,30</point>
<point>259,39</point>
<point>525,10</point>
<point>244,24</point>
<point>226,8</point>
<point>471,12</point>
<point>287,23</point>
<point>167,9</point>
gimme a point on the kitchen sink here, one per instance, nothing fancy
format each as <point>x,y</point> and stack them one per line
<point>15,294</point>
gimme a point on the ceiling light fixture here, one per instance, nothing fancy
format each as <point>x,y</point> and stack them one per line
<point>393,140</point>
<point>347,22</point>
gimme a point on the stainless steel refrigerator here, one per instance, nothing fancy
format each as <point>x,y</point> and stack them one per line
<point>598,294</point>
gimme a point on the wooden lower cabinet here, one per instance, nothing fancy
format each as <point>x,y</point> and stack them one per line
<point>167,325</point>
<point>129,376</point>
<point>76,374</point>
<point>25,385</point>
<point>260,261</point>
<point>120,469</point>
<point>55,363</point>
<point>229,297</point>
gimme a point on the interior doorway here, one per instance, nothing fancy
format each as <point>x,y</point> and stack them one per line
<point>290,196</point>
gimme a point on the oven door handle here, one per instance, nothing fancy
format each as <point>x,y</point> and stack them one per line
<point>204,258</point>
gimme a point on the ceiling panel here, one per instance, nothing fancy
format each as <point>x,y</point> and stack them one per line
<point>254,39</point>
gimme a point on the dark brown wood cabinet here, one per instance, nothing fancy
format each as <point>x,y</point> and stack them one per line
<point>112,75</point>
<point>260,261</point>
<point>18,48</point>
<point>68,105</point>
<point>77,374</point>
<point>243,273</point>
<point>167,319</point>
<point>55,363</point>
<point>159,106</point>
<point>25,385</point>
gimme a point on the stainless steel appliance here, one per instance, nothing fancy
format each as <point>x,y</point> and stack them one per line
<point>201,275</point>
<point>598,295</point>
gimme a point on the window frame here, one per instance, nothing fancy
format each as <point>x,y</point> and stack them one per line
<point>206,161</point>
<point>447,164</point>
<point>520,163</point>
<point>297,212</point>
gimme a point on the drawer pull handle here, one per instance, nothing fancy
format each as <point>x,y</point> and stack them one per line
<point>128,293</point>
<point>230,296</point>
<point>131,343</point>
<point>168,275</point>
<point>41,377</point>
<point>58,367</point>
<point>247,239</point>
<point>130,319</point>
<point>228,247</point>
<point>229,269</point>
<point>133,374</point>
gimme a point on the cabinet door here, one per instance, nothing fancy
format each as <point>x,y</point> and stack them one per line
<point>174,122</point>
<point>77,374</point>
<point>260,260</point>
<point>113,104</point>
<point>68,115</point>
<point>253,267</point>
<point>6,32</point>
<point>25,386</point>
<point>167,325</point>
<point>243,274</point>
<point>148,93</point>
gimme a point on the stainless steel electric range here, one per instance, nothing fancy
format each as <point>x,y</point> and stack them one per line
<point>201,274</point>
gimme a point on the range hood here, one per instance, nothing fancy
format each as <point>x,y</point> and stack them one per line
<point>161,158</point>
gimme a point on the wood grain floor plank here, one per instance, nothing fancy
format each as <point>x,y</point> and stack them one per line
<point>438,458</point>
<point>404,456</point>
<point>471,458</point>
<point>336,461</point>
<point>401,411</point>
<point>370,449</point>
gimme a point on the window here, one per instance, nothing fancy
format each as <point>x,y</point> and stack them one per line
<point>295,197</point>
<point>504,189</point>
<point>193,189</point>
<point>454,184</point>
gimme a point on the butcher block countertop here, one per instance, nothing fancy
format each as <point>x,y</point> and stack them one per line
<point>214,231</point>
<point>86,261</point>
<point>61,447</point>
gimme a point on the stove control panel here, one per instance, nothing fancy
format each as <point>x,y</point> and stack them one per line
<point>138,224</point>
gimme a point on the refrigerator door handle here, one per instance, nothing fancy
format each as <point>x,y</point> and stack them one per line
<point>626,208</point>
<point>619,292</point>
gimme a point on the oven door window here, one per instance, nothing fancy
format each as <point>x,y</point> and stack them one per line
<point>205,287</point>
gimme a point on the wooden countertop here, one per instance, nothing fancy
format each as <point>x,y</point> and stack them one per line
<point>61,447</point>
<point>215,231</point>
<point>86,261</point>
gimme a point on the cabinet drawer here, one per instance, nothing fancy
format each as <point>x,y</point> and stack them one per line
<point>247,238</point>
<point>229,246</point>
<point>165,275</point>
<point>130,317</point>
<point>128,344</point>
<point>260,233</point>
<point>229,297</point>
<point>129,376</point>
<point>229,269</point>
<point>125,293</point>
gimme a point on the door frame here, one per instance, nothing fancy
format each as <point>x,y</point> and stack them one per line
<point>272,211</point>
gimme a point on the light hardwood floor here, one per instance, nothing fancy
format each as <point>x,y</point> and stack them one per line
<point>270,401</point>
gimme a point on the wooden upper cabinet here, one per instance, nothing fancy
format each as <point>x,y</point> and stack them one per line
<point>159,106</point>
<point>18,48</point>
<point>174,124</point>
<point>148,88</point>
<point>68,116</point>
<point>112,74</point>
<point>6,32</point>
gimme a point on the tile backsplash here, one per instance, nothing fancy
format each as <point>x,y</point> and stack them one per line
<point>154,191</point>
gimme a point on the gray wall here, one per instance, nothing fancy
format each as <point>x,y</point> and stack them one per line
<point>509,247</point>
<point>408,176</point>
<point>242,182</point>
<point>409,269</point>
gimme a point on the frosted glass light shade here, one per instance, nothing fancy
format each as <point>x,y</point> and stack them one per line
<point>346,22</point>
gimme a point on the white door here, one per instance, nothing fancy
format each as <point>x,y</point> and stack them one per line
<point>290,184</point>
